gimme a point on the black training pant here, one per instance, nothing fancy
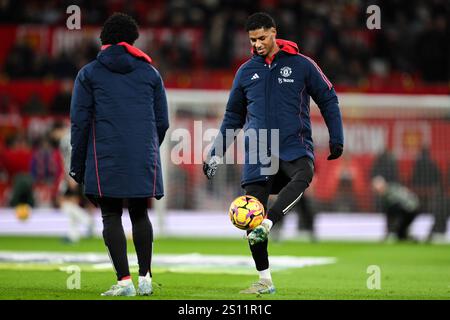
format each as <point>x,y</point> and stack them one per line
<point>114,235</point>
<point>301,172</point>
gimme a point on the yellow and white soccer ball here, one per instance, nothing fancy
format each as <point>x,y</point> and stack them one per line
<point>23,211</point>
<point>246,212</point>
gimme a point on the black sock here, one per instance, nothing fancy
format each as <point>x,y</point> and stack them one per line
<point>142,234</point>
<point>260,254</point>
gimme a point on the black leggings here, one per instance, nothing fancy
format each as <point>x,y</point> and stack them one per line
<point>301,172</point>
<point>114,235</point>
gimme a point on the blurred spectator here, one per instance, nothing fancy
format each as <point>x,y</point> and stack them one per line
<point>22,191</point>
<point>399,203</point>
<point>8,106</point>
<point>61,102</point>
<point>438,230</point>
<point>47,164</point>
<point>34,106</point>
<point>434,63</point>
<point>428,184</point>
<point>19,61</point>
<point>333,64</point>
<point>176,52</point>
<point>219,42</point>
<point>385,165</point>
<point>350,184</point>
<point>70,194</point>
<point>41,66</point>
<point>16,159</point>
<point>63,66</point>
<point>426,179</point>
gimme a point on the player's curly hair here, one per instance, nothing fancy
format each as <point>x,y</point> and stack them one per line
<point>259,20</point>
<point>119,27</point>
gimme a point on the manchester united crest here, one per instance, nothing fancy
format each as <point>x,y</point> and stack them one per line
<point>285,71</point>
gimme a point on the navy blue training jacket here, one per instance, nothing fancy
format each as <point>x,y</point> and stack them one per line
<point>119,118</point>
<point>276,95</point>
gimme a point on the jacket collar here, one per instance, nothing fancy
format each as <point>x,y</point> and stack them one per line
<point>131,50</point>
<point>286,46</point>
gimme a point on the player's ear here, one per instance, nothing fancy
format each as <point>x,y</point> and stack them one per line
<point>274,32</point>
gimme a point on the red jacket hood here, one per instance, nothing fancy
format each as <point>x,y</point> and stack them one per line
<point>131,50</point>
<point>286,46</point>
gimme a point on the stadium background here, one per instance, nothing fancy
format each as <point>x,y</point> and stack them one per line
<point>393,85</point>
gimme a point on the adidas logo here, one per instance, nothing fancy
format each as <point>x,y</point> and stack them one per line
<point>255,76</point>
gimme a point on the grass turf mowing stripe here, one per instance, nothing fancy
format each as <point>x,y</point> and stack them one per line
<point>408,271</point>
<point>188,263</point>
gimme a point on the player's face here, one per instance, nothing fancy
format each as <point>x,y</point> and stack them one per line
<point>379,185</point>
<point>262,40</point>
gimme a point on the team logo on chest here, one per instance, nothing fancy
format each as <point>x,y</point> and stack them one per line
<point>285,71</point>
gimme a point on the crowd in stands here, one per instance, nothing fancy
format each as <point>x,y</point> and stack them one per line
<point>412,45</point>
<point>412,42</point>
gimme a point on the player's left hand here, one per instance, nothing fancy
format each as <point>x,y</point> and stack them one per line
<point>336,150</point>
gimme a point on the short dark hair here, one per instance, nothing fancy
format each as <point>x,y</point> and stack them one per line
<point>259,20</point>
<point>119,27</point>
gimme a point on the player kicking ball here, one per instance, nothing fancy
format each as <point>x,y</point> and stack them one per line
<point>272,90</point>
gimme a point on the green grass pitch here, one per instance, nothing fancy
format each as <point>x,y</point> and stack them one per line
<point>408,271</point>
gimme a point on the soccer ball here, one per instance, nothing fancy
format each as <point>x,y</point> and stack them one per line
<point>246,212</point>
<point>23,211</point>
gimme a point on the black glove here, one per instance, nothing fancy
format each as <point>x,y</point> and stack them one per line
<point>77,177</point>
<point>336,150</point>
<point>210,167</point>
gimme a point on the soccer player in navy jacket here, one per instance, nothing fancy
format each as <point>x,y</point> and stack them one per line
<point>119,119</point>
<point>272,91</point>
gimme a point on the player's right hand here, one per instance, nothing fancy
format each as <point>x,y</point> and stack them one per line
<point>210,166</point>
<point>336,150</point>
